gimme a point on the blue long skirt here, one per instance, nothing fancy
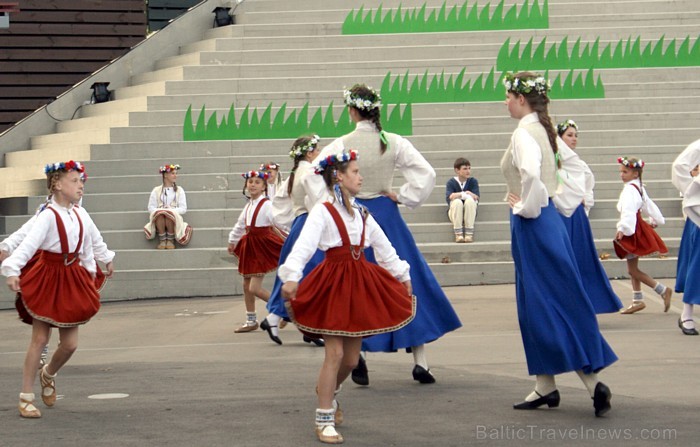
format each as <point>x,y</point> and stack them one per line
<point>434,313</point>
<point>557,321</point>
<point>275,304</point>
<point>688,267</point>
<point>595,279</point>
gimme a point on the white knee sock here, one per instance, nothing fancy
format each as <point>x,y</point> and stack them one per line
<point>590,380</point>
<point>419,356</point>
<point>274,321</point>
<point>688,315</point>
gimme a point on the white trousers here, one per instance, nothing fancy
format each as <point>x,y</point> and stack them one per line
<point>462,215</point>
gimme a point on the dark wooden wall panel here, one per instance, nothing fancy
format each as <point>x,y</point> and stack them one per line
<point>160,12</point>
<point>53,44</point>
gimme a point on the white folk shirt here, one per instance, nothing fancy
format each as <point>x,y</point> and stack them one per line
<point>167,198</point>
<point>321,232</point>
<point>630,202</point>
<point>576,181</point>
<point>246,218</point>
<point>687,185</point>
<point>43,235</point>
<point>418,173</point>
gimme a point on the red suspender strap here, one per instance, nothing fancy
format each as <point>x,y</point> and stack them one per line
<point>257,210</point>
<point>63,237</point>
<point>341,226</point>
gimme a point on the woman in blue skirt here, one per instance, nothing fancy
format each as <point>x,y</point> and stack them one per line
<point>684,176</point>
<point>574,201</point>
<point>381,153</point>
<point>557,321</point>
<point>291,205</point>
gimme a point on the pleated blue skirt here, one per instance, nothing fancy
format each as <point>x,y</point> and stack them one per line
<point>557,321</point>
<point>275,304</point>
<point>595,279</point>
<point>434,313</point>
<point>688,267</point>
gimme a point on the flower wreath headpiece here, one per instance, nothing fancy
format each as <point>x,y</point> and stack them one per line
<point>269,167</point>
<point>252,174</point>
<point>639,164</point>
<point>526,85</point>
<point>372,102</point>
<point>168,168</point>
<point>335,159</point>
<point>301,150</point>
<point>66,166</point>
<point>561,127</point>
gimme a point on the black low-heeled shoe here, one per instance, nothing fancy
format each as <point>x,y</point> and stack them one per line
<point>686,331</point>
<point>601,399</point>
<point>423,375</point>
<point>265,326</point>
<point>552,400</point>
<point>317,341</point>
<point>360,374</point>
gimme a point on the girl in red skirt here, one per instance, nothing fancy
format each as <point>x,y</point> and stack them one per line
<point>256,243</point>
<point>59,289</point>
<point>635,237</point>
<point>345,297</point>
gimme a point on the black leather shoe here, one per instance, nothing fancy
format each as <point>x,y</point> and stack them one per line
<point>601,399</point>
<point>265,326</point>
<point>422,375</point>
<point>685,330</point>
<point>552,400</point>
<point>360,375</point>
<point>317,341</point>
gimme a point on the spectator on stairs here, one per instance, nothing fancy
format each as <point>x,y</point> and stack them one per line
<point>462,196</point>
<point>166,206</point>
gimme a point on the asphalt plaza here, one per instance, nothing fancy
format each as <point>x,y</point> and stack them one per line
<point>172,372</point>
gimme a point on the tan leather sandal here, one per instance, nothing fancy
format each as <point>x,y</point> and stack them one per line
<point>328,435</point>
<point>27,409</point>
<point>48,387</point>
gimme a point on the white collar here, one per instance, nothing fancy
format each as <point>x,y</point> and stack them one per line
<point>528,119</point>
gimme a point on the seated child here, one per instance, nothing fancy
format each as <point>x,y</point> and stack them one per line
<point>462,196</point>
<point>166,206</point>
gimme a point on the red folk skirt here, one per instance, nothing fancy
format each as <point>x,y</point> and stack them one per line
<point>58,294</point>
<point>352,298</point>
<point>258,251</point>
<point>645,241</point>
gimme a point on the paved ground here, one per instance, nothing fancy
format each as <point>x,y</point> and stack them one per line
<point>192,382</point>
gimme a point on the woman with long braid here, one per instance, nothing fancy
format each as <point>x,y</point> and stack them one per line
<point>381,153</point>
<point>557,321</point>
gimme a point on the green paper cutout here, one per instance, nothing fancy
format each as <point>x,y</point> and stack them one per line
<point>454,89</point>
<point>253,126</point>
<point>440,20</point>
<point>623,54</point>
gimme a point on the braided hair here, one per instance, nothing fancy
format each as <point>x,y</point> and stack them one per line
<point>372,112</point>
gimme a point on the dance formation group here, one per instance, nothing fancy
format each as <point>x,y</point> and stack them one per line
<point>349,273</point>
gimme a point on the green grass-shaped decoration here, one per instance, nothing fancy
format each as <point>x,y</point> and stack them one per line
<point>456,89</point>
<point>457,19</point>
<point>254,127</point>
<point>624,54</point>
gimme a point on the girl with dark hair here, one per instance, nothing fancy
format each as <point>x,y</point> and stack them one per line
<point>256,243</point>
<point>557,321</point>
<point>166,205</point>
<point>573,200</point>
<point>684,176</point>
<point>290,209</point>
<point>635,237</point>
<point>381,153</point>
<point>345,297</point>
<point>59,289</point>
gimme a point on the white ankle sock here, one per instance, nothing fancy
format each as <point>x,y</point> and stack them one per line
<point>27,396</point>
<point>325,417</point>
<point>687,314</point>
<point>419,356</point>
<point>544,385</point>
<point>590,380</point>
<point>660,288</point>
<point>251,318</point>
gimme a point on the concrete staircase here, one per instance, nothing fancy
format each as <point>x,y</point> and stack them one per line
<point>293,52</point>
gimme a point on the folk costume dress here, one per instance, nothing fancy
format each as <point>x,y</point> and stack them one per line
<point>165,201</point>
<point>345,294</point>
<point>295,206</point>
<point>558,324</point>
<point>434,314</point>
<point>257,242</point>
<point>578,188</point>
<point>688,267</point>
<point>59,288</point>
<point>639,239</point>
